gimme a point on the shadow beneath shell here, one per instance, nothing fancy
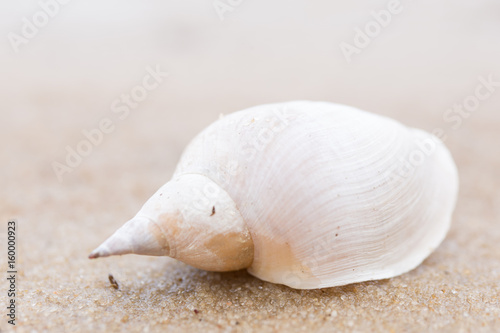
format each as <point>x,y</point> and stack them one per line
<point>240,284</point>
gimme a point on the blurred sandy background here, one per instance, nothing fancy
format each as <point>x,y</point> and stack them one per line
<point>65,79</point>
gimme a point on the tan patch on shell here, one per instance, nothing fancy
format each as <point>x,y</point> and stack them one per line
<point>167,231</point>
<point>233,251</point>
<point>220,252</point>
<point>280,262</point>
<point>158,234</point>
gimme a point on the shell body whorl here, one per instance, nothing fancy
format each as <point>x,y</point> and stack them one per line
<point>331,195</point>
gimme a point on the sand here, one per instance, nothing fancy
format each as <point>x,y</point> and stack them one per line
<point>63,83</point>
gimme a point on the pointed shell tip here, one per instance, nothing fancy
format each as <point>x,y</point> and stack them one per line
<point>94,255</point>
<point>99,253</point>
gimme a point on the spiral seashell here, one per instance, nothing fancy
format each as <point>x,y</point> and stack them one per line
<point>306,194</point>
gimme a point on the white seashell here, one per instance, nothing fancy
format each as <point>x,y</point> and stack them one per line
<point>306,194</point>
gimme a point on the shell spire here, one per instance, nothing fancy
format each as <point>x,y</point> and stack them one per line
<point>140,235</point>
<point>190,219</point>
